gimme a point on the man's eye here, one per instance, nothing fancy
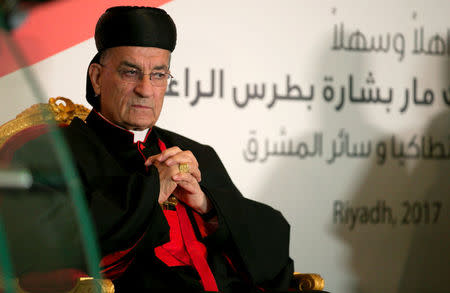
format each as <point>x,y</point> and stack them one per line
<point>130,72</point>
<point>158,75</point>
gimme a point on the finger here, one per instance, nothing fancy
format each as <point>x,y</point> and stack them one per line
<point>169,153</point>
<point>182,157</point>
<point>183,177</point>
<point>187,182</point>
<point>163,196</point>
<point>186,157</point>
<point>185,189</point>
<point>165,171</point>
<point>194,171</point>
<point>162,156</point>
<point>151,160</point>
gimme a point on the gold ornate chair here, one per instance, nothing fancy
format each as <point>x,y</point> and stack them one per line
<point>31,123</point>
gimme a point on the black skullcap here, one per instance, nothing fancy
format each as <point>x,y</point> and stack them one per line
<point>131,26</point>
<point>135,26</point>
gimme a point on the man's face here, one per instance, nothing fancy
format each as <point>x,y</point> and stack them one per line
<point>134,106</point>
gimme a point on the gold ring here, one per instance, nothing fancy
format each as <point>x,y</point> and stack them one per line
<point>183,168</point>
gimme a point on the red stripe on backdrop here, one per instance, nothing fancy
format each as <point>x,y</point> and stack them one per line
<point>56,26</point>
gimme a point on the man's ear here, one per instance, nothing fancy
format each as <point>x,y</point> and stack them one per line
<point>94,74</point>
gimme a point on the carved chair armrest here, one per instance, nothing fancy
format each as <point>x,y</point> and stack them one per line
<point>305,282</point>
<point>83,285</point>
<point>91,285</point>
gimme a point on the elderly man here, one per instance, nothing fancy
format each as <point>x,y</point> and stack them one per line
<point>167,215</point>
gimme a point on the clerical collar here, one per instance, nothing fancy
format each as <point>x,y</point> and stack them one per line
<point>138,135</point>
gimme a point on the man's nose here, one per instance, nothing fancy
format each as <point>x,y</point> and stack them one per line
<point>144,87</point>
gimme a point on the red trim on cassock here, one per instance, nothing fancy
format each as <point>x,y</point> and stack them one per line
<point>147,135</point>
<point>112,124</point>
<point>162,145</point>
<point>141,147</point>
<point>115,264</point>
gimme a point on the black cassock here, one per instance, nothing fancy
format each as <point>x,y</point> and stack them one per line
<point>122,195</point>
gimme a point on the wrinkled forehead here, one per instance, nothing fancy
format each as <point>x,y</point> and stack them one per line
<point>137,57</point>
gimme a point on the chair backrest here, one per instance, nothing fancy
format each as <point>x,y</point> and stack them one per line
<point>26,126</point>
<point>33,122</point>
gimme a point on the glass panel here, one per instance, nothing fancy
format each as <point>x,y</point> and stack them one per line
<point>46,236</point>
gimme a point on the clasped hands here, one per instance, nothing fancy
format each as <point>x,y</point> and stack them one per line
<point>184,185</point>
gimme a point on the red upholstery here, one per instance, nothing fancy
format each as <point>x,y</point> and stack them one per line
<point>19,139</point>
<point>50,282</point>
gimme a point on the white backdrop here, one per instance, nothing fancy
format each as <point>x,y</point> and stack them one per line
<point>337,113</point>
